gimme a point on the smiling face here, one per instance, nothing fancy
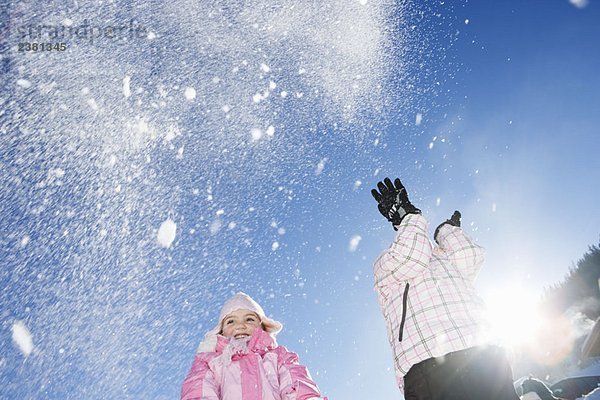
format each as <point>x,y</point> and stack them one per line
<point>240,323</point>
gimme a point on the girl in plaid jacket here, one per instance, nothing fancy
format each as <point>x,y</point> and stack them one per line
<point>434,317</point>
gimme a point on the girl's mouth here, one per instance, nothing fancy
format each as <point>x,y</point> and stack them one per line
<point>241,335</point>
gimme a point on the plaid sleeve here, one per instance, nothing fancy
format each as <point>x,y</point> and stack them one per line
<point>461,250</point>
<point>408,255</point>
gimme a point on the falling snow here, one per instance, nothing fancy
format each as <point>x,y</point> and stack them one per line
<point>22,338</point>
<point>320,166</point>
<point>202,117</point>
<point>190,93</point>
<point>354,241</point>
<point>418,119</point>
<point>127,86</point>
<point>24,83</point>
<point>166,233</point>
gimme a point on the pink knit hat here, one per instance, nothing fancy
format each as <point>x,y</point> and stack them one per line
<point>240,301</point>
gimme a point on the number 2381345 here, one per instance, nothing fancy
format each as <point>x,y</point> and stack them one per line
<point>27,46</point>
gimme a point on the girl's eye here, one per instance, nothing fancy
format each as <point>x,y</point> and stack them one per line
<point>229,322</point>
<point>250,319</point>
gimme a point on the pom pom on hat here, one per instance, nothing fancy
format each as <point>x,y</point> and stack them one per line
<point>239,301</point>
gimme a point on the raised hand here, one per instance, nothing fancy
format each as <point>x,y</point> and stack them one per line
<point>392,201</point>
<point>454,221</point>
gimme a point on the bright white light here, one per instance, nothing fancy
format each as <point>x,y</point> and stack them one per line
<point>514,315</point>
<point>579,3</point>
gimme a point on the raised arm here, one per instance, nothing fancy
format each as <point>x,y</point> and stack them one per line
<point>410,252</point>
<point>408,256</point>
<point>459,248</point>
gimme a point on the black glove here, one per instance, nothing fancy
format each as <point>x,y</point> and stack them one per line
<point>393,201</point>
<point>454,221</point>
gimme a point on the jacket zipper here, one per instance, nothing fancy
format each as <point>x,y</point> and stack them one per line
<point>404,302</point>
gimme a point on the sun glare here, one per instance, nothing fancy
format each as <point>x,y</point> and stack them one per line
<point>514,316</point>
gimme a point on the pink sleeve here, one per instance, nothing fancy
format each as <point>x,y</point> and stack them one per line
<point>200,383</point>
<point>295,382</point>
<point>408,256</point>
<point>461,250</point>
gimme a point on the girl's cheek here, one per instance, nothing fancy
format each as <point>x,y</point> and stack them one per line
<point>227,331</point>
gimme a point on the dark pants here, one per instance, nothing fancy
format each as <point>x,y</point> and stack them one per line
<point>477,373</point>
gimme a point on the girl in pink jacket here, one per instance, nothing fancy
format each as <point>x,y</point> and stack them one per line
<point>240,360</point>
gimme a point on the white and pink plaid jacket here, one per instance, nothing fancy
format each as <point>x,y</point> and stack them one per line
<point>427,293</point>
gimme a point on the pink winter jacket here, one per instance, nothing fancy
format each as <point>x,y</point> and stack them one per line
<point>266,372</point>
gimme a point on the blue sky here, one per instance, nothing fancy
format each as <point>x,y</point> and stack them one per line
<point>506,92</point>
